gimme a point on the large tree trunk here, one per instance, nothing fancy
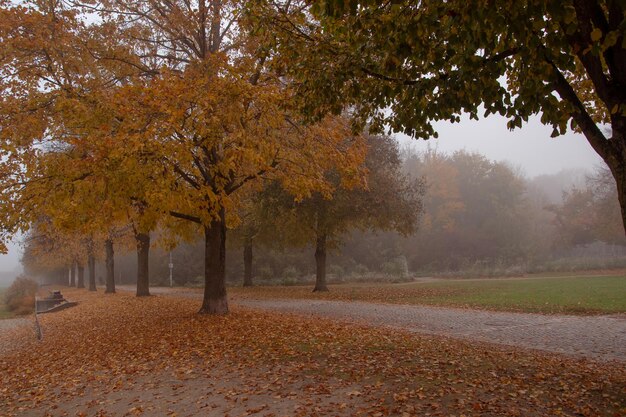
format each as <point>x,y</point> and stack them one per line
<point>72,275</point>
<point>143,256</point>
<point>91,264</point>
<point>110,265</point>
<point>247,264</point>
<point>621,193</point>
<point>320,264</point>
<point>616,161</point>
<point>609,90</point>
<point>80,282</point>
<point>215,301</point>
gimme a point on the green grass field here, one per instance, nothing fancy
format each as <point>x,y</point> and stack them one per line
<point>572,295</point>
<point>4,314</point>
<point>605,294</point>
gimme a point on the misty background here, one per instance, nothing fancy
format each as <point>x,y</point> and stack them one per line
<point>552,164</point>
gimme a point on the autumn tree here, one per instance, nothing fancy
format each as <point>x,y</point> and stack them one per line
<point>181,92</point>
<point>388,201</point>
<point>606,205</point>
<point>48,249</point>
<point>58,129</point>
<point>405,64</point>
<point>589,213</point>
<point>80,202</point>
<point>247,233</point>
<point>575,218</point>
<point>475,209</point>
<point>216,118</point>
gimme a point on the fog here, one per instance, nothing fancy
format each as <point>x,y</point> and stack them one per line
<point>529,149</point>
<point>10,264</point>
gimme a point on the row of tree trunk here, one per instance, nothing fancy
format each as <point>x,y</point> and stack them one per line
<point>77,269</point>
<point>77,274</point>
<point>320,264</point>
<point>214,300</point>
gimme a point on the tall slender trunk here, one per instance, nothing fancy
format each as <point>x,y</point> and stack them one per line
<point>320,264</point>
<point>110,264</point>
<point>91,264</point>
<point>215,301</point>
<point>143,256</point>
<point>60,277</point>
<point>72,274</point>
<point>80,282</point>
<point>247,264</point>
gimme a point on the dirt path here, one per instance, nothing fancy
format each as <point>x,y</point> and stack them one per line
<point>595,337</point>
<point>9,330</point>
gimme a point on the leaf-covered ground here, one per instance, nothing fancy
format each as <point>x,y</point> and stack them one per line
<point>552,295</point>
<point>119,355</point>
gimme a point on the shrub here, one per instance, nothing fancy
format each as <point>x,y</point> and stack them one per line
<point>397,267</point>
<point>290,275</point>
<point>337,271</point>
<point>194,282</point>
<point>265,272</point>
<point>20,296</point>
<point>360,269</point>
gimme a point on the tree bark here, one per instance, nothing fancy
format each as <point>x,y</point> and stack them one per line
<point>215,301</point>
<point>72,275</point>
<point>110,265</point>
<point>610,90</point>
<point>143,257</point>
<point>91,264</point>
<point>80,282</point>
<point>621,195</point>
<point>320,264</point>
<point>247,264</point>
<point>617,165</point>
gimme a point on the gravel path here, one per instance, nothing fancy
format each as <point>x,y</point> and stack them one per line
<point>596,337</point>
<point>8,329</point>
<point>10,324</point>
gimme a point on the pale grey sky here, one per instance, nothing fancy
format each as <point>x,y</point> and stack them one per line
<point>11,261</point>
<point>529,148</point>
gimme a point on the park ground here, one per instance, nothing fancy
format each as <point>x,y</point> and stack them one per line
<point>121,355</point>
<point>603,292</point>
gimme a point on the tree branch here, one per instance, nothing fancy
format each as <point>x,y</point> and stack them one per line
<point>594,135</point>
<point>185,217</point>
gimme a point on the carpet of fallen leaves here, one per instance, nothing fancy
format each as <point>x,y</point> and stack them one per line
<point>121,355</point>
<point>407,293</point>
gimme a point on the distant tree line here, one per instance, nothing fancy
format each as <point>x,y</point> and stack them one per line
<point>458,212</point>
<point>132,125</point>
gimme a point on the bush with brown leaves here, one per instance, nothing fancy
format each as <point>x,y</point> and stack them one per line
<point>20,296</point>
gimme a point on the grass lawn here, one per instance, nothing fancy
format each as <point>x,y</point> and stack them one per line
<point>4,314</point>
<point>572,295</point>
